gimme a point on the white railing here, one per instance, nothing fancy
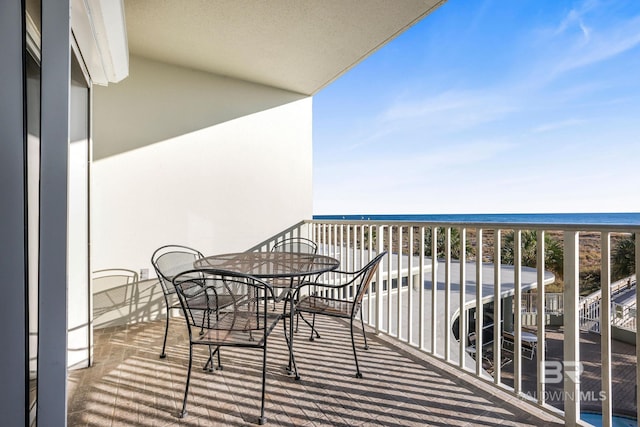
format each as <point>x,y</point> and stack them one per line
<point>554,303</point>
<point>624,316</point>
<point>411,311</point>
<point>590,307</point>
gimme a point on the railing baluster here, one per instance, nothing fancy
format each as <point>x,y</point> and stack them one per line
<point>434,290</point>
<point>571,329</point>
<point>340,249</point>
<point>541,319</point>
<point>421,310</point>
<point>447,295</point>
<point>517,314</point>
<point>479,305</point>
<point>410,287</point>
<point>379,287</point>
<point>389,277</point>
<point>462,313</point>
<point>399,285</point>
<point>605,326</point>
<point>497,306</point>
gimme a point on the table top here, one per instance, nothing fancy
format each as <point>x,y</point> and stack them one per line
<point>270,264</point>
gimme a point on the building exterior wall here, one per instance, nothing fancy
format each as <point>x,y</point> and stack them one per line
<point>182,157</point>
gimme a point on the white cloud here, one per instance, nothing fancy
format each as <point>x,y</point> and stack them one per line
<point>430,117</point>
<point>575,17</point>
<point>462,108</point>
<point>547,127</point>
<point>596,44</point>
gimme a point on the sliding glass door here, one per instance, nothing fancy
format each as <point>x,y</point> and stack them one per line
<point>78,212</point>
<point>33,215</point>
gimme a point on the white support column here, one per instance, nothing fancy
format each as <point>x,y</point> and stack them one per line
<point>605,326</point>
<point>56,73</point>
<point>13,263</point>
<point>571,328</point>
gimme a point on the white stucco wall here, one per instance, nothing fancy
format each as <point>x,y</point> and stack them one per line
<point>196,159</point>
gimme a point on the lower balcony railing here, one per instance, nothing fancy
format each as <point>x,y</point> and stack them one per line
<point>492,269</point>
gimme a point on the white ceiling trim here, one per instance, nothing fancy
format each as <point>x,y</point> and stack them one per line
<point>100,31</point>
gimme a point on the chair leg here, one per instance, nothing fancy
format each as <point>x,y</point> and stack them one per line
<point>364,334</point>
<point>313,327</point>
<point>291,367</point>
<point>210,360</point>
<point>183,413</point>
<point>287,338</point>
<point>355,355</point>
<point>166,330</point>
<point>262,420</point>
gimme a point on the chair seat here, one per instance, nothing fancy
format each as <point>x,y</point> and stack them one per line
<point>327,306</point>
<point>202,302</point>
<point>242,329</point>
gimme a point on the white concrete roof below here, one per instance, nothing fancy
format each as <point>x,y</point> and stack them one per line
<point>294,45</point>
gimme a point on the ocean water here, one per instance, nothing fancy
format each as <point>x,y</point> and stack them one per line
<point>616,218</point>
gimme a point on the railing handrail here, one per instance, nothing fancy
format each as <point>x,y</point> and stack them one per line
<point>613,228</point>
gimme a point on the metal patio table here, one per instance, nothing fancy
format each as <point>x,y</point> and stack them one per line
<point>293,266</point>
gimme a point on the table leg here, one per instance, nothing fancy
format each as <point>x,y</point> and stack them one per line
<point>292,368</point>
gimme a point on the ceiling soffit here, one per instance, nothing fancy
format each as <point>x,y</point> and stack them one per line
<point>296,45</point>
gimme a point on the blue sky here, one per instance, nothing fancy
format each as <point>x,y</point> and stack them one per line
<point>488,107</point>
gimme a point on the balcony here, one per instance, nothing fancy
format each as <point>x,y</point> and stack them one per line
<point>418,371</point>
<point>129,385</point>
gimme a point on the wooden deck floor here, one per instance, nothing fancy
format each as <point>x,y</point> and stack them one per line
<point>130,386</point>
<point>623,371</point>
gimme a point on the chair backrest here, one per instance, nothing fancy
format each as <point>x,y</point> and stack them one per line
<point>363,278</point>
<point>296,244</point>
<point>221,300</point>
<point>170,260</point>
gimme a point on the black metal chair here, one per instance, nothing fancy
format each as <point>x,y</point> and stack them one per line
<point>236,315</point>
<point>168,261</point>
<point>292,244</point>
<point>342,299</point>
<point>296,244</point>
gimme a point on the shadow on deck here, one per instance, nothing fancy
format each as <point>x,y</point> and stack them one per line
<point>130,386</point>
